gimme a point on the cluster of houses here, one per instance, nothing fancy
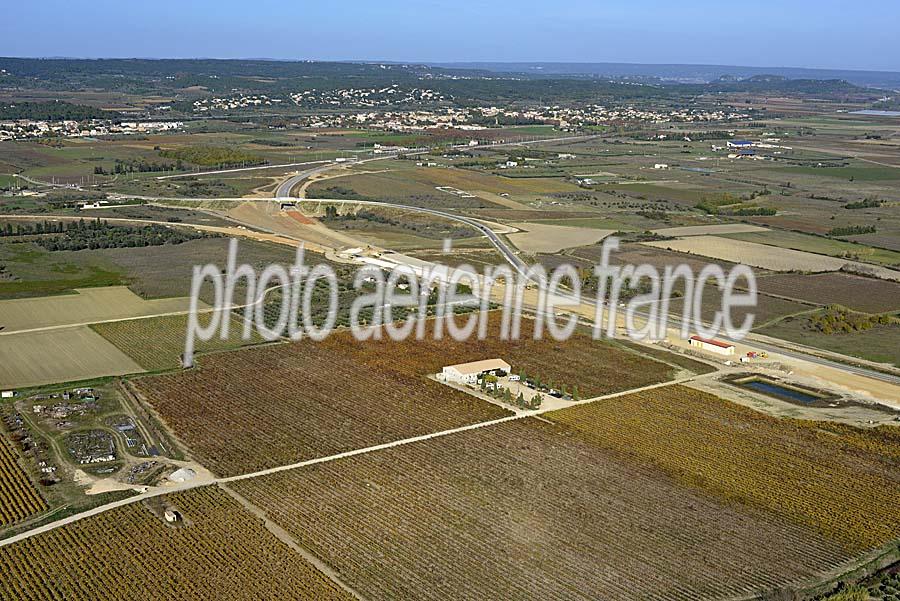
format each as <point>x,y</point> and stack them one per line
<point>436,117</point>
<point>28,128</point>
<point>368,97</point>
<point>241,101</point>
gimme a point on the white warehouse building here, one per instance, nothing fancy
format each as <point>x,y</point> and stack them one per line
<point>468,373</point>
<point>713,346</point>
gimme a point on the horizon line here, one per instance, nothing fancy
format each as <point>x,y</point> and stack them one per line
<point>444,62</point>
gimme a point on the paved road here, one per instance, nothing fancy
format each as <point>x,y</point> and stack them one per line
<point>511,257</point>
<point>239,169</point>
<point>285,187</point>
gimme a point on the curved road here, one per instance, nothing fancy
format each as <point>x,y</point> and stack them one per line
<point>511,257</point>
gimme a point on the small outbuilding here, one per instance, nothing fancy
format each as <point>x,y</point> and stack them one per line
<point>713,346</point>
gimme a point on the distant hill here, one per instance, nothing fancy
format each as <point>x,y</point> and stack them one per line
<point>465,84</point>
<point>683,73</point>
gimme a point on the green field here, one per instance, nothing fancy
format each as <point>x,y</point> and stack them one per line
<point>151,272</point>
<point>880,344</point>
<point>168,336</point>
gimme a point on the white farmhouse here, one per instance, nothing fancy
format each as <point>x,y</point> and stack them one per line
<point>468,373</point>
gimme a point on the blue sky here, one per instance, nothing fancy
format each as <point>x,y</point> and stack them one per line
<point>794,33</point>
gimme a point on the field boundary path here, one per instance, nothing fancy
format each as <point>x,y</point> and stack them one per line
<point>285,537</point>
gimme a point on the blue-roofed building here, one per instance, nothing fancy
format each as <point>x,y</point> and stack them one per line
<point>740,144</point>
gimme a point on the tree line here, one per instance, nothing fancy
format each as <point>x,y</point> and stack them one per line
<point>123,166</point>
<point>852,230</point>
<point>95,234</point>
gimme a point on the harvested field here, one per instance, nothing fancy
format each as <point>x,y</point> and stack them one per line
<point>19,498</point>
<point>766,310</point>
<point>530,510</point>
<point>168,336</point>
<point>854,292</point>
<point>751,253</point>
<point>820,245</point>
<point>636,254</point>
<point>88,305</point>
<point>259,408</point>
<point>841,481</point>
<point>701,230</point>
<point>468,179</point>
<point>63,355</point>
<point>219,552</point>
<point>543,238</point>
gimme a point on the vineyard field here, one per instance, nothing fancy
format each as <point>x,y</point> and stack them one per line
<point>220,552</point>
<point>19,498</point>
<point>596,367</point>
<point>841,481</point>
<point>258,408</point>
<point>530,510</point>
<point>157,343</point>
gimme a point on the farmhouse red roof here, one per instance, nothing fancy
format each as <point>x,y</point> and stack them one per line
<point>712,342</point>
